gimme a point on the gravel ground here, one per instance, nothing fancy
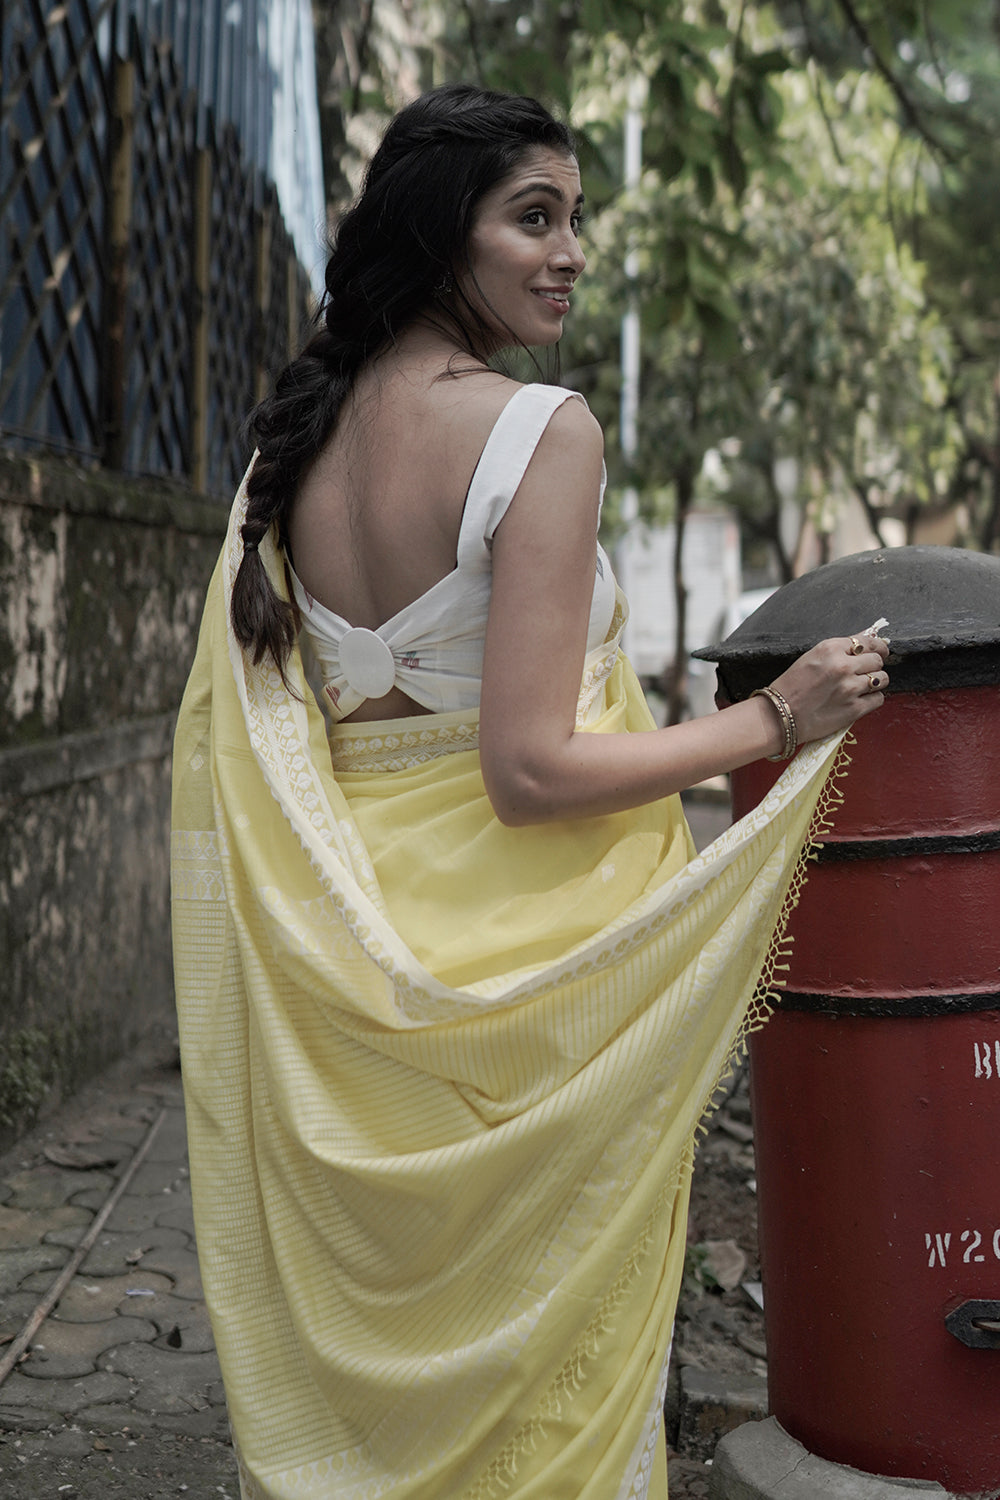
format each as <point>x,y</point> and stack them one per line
<point>719,1328</point>
<point>73,1463</point>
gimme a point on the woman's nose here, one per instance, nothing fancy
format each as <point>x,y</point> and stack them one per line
<point>569,255</point>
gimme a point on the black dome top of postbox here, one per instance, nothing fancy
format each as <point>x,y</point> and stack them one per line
<point>942,605</point>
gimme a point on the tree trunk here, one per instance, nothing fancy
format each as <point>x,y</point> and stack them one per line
<point>871,514</point>
<point>786,564</point>
<point>990,534</point>
<point>677,695</point>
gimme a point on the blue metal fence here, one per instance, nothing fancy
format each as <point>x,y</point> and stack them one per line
<point>147,147</point>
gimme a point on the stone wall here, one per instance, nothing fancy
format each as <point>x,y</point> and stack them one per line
<point>101,586</point>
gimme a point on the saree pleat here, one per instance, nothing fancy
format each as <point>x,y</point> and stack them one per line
<point>443,1079</point>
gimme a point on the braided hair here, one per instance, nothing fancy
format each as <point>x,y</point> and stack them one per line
<point>396,249</point>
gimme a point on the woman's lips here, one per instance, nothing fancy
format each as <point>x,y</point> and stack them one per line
<point>557,297</point>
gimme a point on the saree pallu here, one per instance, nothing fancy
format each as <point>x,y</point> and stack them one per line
<point>443,1079</point>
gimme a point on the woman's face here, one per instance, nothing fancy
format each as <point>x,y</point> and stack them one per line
<point>524,253</point>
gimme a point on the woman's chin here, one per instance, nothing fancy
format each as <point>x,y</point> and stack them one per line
<point>546,337</point>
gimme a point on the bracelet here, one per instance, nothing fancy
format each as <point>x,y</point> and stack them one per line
<point>787,721</point>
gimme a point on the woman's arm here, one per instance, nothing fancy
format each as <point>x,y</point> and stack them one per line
<point>537,767</point>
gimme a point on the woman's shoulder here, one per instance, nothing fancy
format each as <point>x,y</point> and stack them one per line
<point>552,408</point>
<point>570,421</point>
<point>554,444</point>
<point>449,426</point>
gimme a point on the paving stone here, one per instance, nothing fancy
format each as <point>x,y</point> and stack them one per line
<point>65,1396</point>
<point>181,1217</point>
<point>17,1265</point>
<point>109,1123</point>
<point>15,1311</point>
<point>713,1404</point>
<point>211,1422</point>
<point>64,1349</point>
<point>91,1198</point>
<point>101,1360</point>
<point>70,1442</point>
<point>21,1228</point>
<point>185,1319</point>
<point>114,1421</point>
<point>170,1141</point>
<point>168,1380</point>
<point>131,1215</point>
<point>168,1091</point>
<point>91,1301</point>
<point>23,1419</point>
<point>113,1254</point>
<point>43,1186</point>
<point>94,1301</point>
<point>86,1156</point>
<point>180,1264</point>
<point>140,1109</point>
<point>155,1177</point>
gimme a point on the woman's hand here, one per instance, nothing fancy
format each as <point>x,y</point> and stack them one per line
<point>834,684</point>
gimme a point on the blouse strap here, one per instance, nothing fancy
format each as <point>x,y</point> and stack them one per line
<point>508,451</point>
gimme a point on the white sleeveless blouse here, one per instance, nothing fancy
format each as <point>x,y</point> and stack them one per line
<point>433,649</point>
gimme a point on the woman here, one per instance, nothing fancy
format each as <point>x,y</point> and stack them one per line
<point>453,989</point>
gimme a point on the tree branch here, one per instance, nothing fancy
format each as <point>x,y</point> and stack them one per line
<point>932,45</point>
<point>906,104</point>
<point>816,82</point>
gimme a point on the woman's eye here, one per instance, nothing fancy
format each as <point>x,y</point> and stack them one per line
<point>538,218</point>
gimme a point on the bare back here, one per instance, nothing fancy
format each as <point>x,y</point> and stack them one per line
<point>376,519</point>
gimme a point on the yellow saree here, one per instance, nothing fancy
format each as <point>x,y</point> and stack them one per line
<point>443,1079</point>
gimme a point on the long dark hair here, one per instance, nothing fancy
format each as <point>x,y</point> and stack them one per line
<point>396,250</point>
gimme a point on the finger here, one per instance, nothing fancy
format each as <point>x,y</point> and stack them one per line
<point>875,682</point>
<point>872,661</point>
<point>868,703</point>
<point>859,645</point>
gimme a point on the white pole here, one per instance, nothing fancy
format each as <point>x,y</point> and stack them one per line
<point>629,409</point>
<point>629,418</point>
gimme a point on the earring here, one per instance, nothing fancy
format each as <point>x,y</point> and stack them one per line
<point>444,284</point>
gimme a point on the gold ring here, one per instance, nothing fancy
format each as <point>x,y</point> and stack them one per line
<point>873,681</point>
<point>856,647</point>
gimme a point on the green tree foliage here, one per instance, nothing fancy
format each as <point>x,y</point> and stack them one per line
<point>940,61</point>
<point>816,229</point>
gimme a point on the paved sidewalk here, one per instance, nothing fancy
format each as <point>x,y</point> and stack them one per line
<point>118,1395</point>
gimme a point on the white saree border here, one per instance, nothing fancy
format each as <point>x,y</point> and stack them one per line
<point>538,1123</point>
<point>635,1485</point>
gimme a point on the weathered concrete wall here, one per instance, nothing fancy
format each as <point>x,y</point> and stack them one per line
<point>101,587</point>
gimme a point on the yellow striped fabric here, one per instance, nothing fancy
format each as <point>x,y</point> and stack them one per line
<point>443,1079</point>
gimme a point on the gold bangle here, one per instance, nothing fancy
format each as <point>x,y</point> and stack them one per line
<point>787,721</point>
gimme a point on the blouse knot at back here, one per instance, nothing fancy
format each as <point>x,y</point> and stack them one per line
<point>433,648</point>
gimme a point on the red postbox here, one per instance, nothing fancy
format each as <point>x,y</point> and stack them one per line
<point>876,1085</point>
